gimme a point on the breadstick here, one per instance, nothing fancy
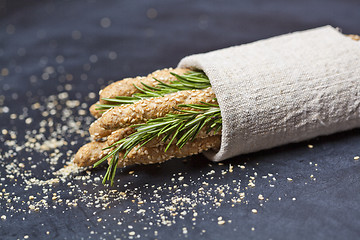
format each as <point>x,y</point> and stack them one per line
<point>89,154</point>
<point>94,112</point>
<point>201,135</point>
<point>126,86</point>
<point>150,155</point>
<point>141,111</point>
<point>119,134</point>
<point>92,152</point>
<point>97,132</point>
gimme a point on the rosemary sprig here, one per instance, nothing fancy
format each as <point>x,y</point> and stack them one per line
<point>188,81</point>
<point>178,128</point>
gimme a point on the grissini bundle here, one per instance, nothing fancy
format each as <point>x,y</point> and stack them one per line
<point>175,100</point>
<point>170,113</point>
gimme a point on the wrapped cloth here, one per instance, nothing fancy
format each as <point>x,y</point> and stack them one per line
<point>284,89</point>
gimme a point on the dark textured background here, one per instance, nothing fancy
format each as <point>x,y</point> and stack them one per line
<point>33,33</point>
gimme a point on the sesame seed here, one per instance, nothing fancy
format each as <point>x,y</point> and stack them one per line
<point>221,222</point>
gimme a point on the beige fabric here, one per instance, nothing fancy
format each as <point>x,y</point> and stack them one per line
<point>284,89</point>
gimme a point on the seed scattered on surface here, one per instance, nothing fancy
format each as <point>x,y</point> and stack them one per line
<point>356,158</point>
<point>310,146</point>
<point>254,211</point>
<point>289,179</point>
<point>261,197</point>
<point>221,222</point>
<point>3,217</point>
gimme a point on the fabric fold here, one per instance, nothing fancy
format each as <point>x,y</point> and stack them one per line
<point>284,89</point>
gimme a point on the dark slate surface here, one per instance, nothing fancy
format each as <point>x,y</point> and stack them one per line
<point>148,35</point>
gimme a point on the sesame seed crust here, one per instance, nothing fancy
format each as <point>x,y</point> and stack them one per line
<point>150,155</point>
<point>126,86</point>
<point>201,134</point>
<point>144,110</point>
<point>119,134</point>
<point>95,112</point>
<point>92,152</point>
<point>89,153</point>
<point>97,132</point>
